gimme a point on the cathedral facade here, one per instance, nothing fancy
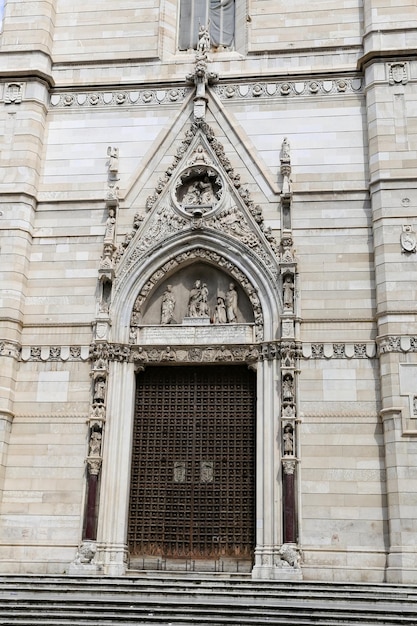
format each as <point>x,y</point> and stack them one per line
<point>208,325</point>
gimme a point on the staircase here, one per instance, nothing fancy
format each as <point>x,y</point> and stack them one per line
<point>205,601</point>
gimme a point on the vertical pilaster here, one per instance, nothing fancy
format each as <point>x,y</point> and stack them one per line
<point>268,492</point>
<point>25,77</point>
<point>391,99</point>
<point>115,479</point>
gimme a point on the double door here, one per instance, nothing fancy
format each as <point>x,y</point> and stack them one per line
<point>193,463</point>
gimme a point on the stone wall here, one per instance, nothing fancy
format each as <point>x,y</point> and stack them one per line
<point>341,84</point>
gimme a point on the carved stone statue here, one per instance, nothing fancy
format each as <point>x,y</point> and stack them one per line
<point>220,312</point>
<point>288,439</point>
<point>95,444</point>
<point>203,39</point>
<point>99,390</point>
<point>194,300</point>
<point>231,304</point>
<point>168,306</point>
<point>110,226</point>
<point>86,553</point>
<point>199,192</point>
<point>113,154</point>
<point>204,308</point>
<point>132,335</point>
<point>288,293</point>
<point>285,150</point>
<point>288,388</point>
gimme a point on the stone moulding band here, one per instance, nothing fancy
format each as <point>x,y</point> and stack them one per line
<point>132,97</point>
<point>172,95</point>
<point>286,350</point>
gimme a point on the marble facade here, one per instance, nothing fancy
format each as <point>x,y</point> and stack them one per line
<point>284,166</point>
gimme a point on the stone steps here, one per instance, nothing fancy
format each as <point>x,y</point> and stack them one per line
<point>216,601</point>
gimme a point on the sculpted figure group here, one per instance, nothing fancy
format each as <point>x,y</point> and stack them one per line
<point>225,311</point>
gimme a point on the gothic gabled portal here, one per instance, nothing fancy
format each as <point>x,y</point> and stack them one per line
<point>199,281</point>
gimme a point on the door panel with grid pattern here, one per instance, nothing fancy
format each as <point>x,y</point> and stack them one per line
<point>192,482</point>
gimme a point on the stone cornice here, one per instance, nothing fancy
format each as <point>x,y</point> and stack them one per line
<point>374,56</point>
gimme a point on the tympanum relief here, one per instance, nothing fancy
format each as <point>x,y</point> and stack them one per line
<point>198,294</point>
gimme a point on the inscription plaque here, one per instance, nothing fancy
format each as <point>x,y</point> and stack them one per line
<point>188,335</point>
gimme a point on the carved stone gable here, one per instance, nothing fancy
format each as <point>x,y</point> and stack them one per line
<point>199,192</point>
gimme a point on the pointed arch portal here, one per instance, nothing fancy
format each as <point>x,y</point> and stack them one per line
<point>193,468</point>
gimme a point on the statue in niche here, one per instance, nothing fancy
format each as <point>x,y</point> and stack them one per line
<point>110,225</point>
<point>288,439</point>
<point>168,306</point>
<point>198,300</point>
<point>288,293</point>
<point>99,390</point>
<point>288,388</point>
<point>220,316</point>
<point>231,304</point>
<point>95,444</point>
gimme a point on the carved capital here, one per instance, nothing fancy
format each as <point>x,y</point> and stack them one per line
<point>94,465</point>
<point>288,466</point>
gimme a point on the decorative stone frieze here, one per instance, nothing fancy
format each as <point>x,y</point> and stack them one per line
<point>392,343</point>
<point>328,351</point>
<point>54,353</point>
<point>177,95</point>
<point>260,90</point>
<point>288,350</point>
<point>121,98</point>
<point>195,354</point>
<point>10,349</point>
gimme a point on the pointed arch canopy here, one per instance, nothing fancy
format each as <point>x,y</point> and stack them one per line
<point>230,255</point>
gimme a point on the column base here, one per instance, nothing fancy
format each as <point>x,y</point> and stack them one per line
<point>113,558</point>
